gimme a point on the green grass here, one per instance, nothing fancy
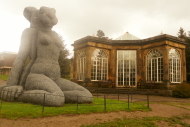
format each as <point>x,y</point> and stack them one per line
<point>17,110</point>
<point>4,77</point>
<point>144,122</point>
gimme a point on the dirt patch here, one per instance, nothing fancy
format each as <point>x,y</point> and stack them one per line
<point>162,124</point>
<point>86,119</point>
<point>186,121</point>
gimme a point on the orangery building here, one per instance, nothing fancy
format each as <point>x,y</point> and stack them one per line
<point>128,60</point>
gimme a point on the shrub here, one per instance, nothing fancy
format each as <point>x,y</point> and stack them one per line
<point>181,91</point>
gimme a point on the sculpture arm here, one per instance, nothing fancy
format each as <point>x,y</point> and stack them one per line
<point>28,37</point>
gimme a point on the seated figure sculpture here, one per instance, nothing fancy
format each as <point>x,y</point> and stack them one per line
<point>40,78</point>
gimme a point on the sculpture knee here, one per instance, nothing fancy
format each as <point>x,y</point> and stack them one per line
<point>76,96</point>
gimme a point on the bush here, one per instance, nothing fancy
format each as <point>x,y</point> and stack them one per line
<point>181,91</point>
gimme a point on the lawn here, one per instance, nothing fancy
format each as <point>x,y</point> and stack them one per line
<point>4,77</point>
<point>17,110</point>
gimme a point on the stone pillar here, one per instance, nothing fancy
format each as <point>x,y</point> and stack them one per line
<point>113,64</point>
<point>75,65</point>
<point>183,66</point>
<point>166,81</point>
<point>88,63</point>
<point>143,65</point>
<point>165,64</point>
<point>139,64</point>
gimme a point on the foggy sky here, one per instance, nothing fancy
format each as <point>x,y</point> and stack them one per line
<point>80,18</point>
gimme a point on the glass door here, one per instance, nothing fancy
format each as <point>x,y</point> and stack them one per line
<point>126,68</point>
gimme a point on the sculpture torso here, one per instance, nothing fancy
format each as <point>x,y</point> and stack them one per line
<point>48,50</point>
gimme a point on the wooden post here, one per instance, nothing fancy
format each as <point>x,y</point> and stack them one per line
<point>43,104</point>
<point>104,102</point>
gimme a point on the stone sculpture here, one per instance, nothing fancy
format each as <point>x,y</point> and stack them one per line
<point>40,78</point>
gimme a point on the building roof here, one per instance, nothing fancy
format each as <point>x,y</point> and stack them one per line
<point>129,42</point>
<point>127,36</point>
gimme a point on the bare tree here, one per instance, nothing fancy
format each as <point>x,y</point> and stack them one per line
<point>100,34</point>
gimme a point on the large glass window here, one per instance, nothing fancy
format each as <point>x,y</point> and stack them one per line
<point>81,60</point>
<point>174,66</point>
<point>154,65</point>
<point>99,65</point>
<point>126,68</point>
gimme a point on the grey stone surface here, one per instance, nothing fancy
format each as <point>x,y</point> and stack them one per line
<point>39,79</point>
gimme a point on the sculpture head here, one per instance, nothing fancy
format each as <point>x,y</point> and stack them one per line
<point>44,18</point>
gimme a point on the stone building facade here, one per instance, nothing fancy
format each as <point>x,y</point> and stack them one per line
<point>127,62</point>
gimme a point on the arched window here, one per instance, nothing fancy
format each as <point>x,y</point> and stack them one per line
<point>154,65</point>
<point>99,65</point>
<point>174,66</point>
<point>81,60</point>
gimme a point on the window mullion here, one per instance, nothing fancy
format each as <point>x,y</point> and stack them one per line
<point>84,67</point>
<point>96,68</point>
<point>176,69</point>
<point>123,72</point>
<point>129,72</point>
<point>157,68</point>
<point>172,70</point>
<point>151,71</point>
<point>101,68</point>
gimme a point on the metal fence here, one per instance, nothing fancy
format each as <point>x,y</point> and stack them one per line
<point>125,97</point>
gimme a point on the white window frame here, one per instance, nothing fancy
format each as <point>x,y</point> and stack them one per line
<point>129,67</point>
<point>158,56</point>
<point>174,70</point>
<point>81,60</point>
<point>103,66</point>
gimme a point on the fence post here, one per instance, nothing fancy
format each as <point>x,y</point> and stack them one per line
<point>77,104</point>
<point>43,104</point>
<point>131,98</point>
<point>104,102</point>
<point>128,100</point>
<point>118,96</point>
<point>147,100</point>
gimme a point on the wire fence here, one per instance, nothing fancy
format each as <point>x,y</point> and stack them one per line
<point>44,98</point>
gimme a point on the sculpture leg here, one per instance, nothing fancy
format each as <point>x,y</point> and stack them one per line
<point>39,87</point>
<point>74,92</point>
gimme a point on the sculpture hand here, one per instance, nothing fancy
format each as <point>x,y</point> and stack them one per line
<point>11,92</point>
